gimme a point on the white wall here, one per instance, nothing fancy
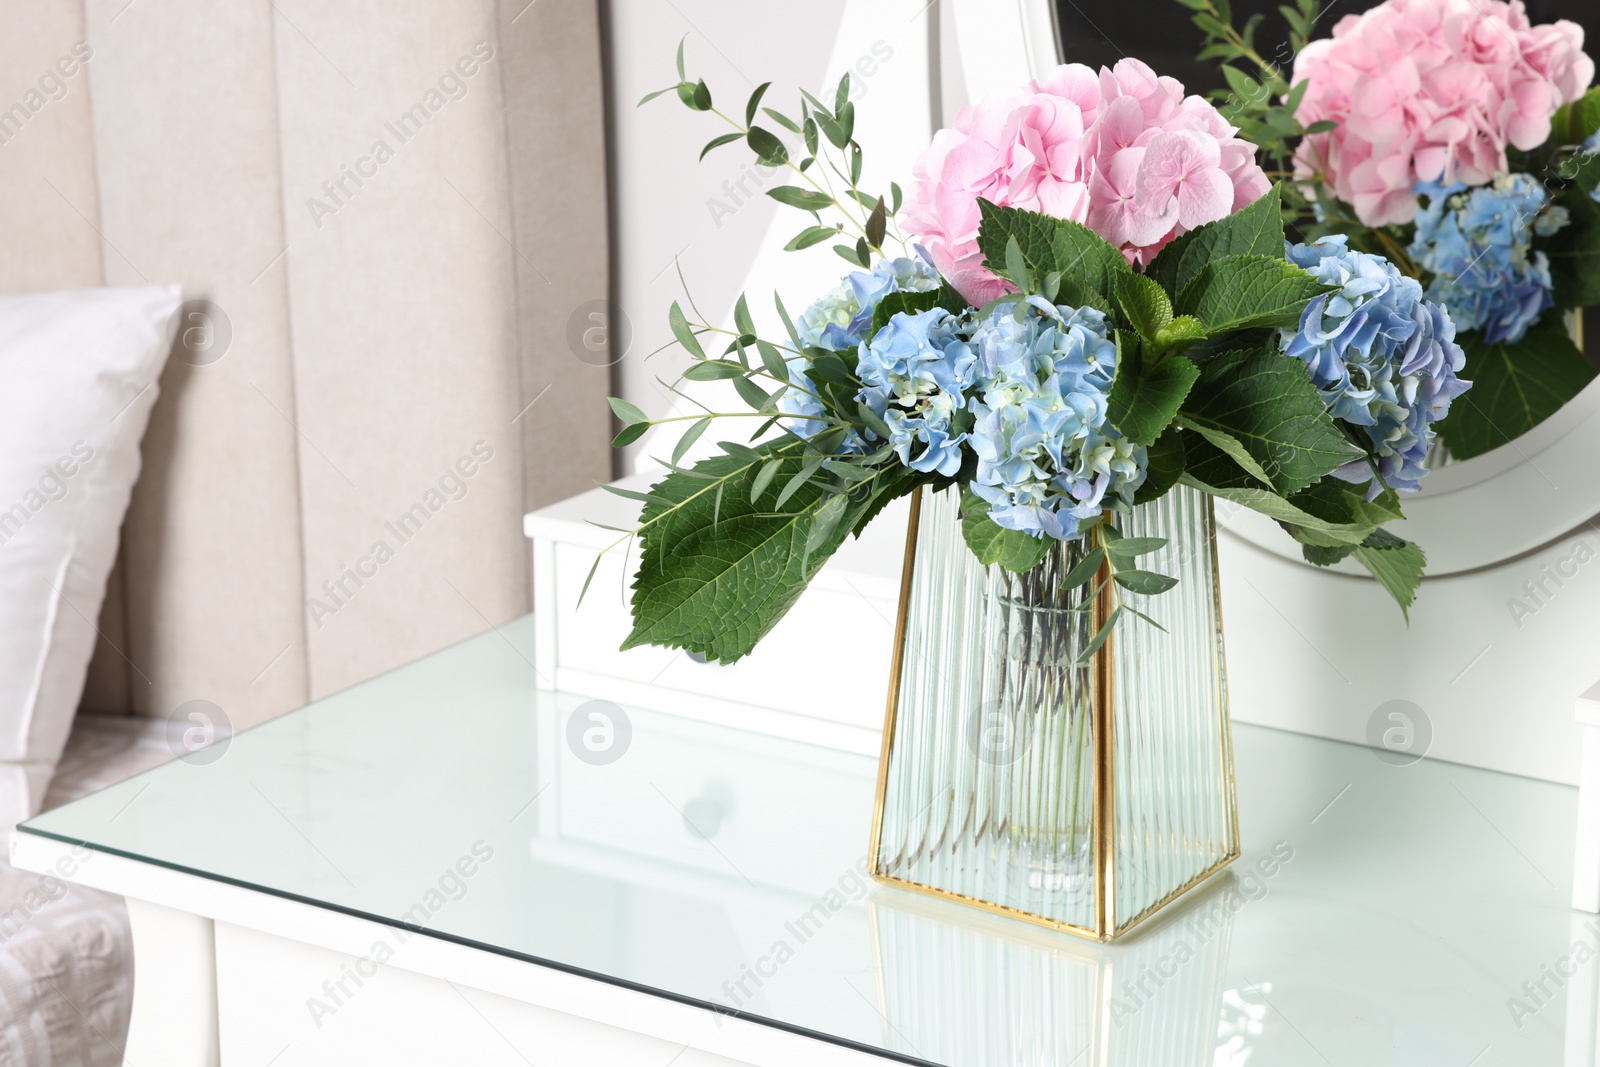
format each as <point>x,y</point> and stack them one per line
<point>663,198</point>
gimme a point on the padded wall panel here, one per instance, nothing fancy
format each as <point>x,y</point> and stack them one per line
<point>401,284</point>
<point>568,331</point>
<point>47,180</point>
<point>186,134</point>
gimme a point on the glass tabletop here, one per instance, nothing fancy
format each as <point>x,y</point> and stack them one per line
<point>1380,914</point>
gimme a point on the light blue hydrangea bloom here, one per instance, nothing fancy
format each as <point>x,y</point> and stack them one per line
<point>914,374</point>
<point>1477,245</point>
<point>1047,461</point>
<point>838,322</point>
<point>1384,357</point>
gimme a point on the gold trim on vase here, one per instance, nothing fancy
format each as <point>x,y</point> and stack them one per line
<point>1103,725</point>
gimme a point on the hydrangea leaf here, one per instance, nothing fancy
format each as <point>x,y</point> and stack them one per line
<point>1266,402</point>
<point>1011,549</point>
<point>1575,252</point>
<point>1144,400</point>
<point>1073,291</point>
<point>1145,304</point>
<point>1180,334</point>
<point>1397,565</point>
<point>1514,387</point>
<point>1164,466</point>
<point>894,303</point>
<point>1320,556</point>
<point>716,571</point>
<point>1242,292</point>
<point>1337,503</point>
<point>1049,245</point>
<point>1254,230</point>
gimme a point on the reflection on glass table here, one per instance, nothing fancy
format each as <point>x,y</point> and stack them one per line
<point>1380,914</point>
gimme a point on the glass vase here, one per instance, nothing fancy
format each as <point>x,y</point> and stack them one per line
<point>1020,775</point>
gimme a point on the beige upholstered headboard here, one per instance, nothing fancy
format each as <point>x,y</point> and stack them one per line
<point>394,209</point>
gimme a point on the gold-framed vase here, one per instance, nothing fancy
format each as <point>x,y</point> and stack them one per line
<point>1022,777</point>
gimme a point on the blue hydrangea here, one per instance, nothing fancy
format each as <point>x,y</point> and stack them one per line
<point>914,374</point>
<point>839,322</point>
<point>1047,461</point>
<point>1384,357</point>
<point>1477,244</point>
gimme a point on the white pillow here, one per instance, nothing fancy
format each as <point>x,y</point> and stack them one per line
<point>78,373</point>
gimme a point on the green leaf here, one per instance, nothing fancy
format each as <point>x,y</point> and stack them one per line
<point>1126,549</point>
<point>1165,466</point>
<point>647,97</point>
<point>1146,583</point>
<point>788,323</point>
<point>781,119</point>
<point>687,441</point>
<point>804,199</point>
<point>852,254</point>
<point>773,360</point>
<point>875,225</point>
<point>1320,556</point>
<point>1084,570</point>
<point>812,235</point>
<point>714,578</point>
<point>1017,267</point>
<point>1276,507</point>
<point>1266,402</point>
<point>718,142</point>
<point>1050,245</point>
<point>1342,506</point>
<point>1145,304</point>
<point>1246,88</point>
<point>630,434</point>
<point>909,303</point>
<point>1011,549</point>
<point>1255,230</point>
<point>1240,292</point>
<point>681,42</point>
<point>681,330</point>
<point>751,393</point>
<point>628,413</point>
<point>1397,565</point>
<point>1143,402</point>
<point>1087,655</point>
<point>1074,292</point>
<point>768,149</point>
<point>1179,334</point>
<point>763,478</point>
<point>1575,251</point>
<point>713,370</point>
<point>741,317</point>
<point>755,102</point>
<point>1514,387</point>
<point>1206,463</point>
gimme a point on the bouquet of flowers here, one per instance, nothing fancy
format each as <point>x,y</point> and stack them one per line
<point>1086,300</point>
<point>1460,141</point>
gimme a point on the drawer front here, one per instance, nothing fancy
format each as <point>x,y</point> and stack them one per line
<point>849,626</point>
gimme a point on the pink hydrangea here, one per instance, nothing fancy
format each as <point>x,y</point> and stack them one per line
<point>1125,152</point>
<point>1432,90</point>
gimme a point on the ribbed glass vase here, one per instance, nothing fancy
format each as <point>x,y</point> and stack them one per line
<point>1021,776</point>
